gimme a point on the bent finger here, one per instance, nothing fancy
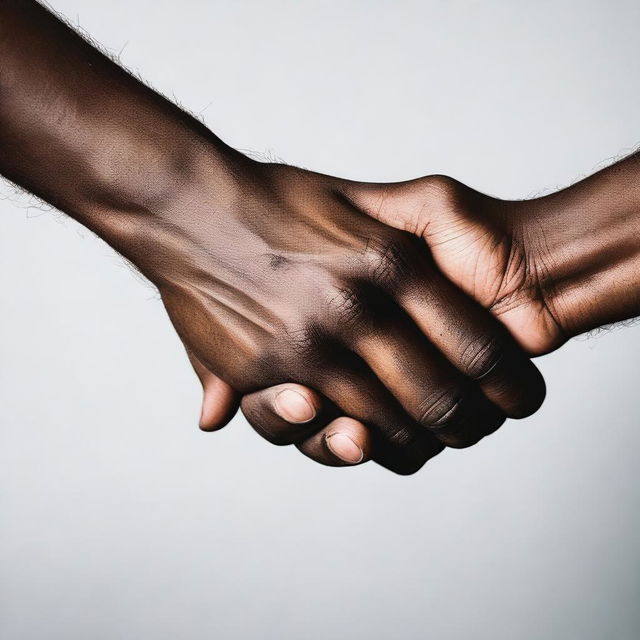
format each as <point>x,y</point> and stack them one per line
<point>343,442</point>
<point>399,443</point>
<point>219,400</point>
<point>292,413</point>
<point>432,391</point>
<point>286,413</point>
<point>474,342</point>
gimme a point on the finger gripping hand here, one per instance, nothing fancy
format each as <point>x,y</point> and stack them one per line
<point>292,282</point>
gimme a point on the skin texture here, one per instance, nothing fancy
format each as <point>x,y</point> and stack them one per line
<point>272,274</point>
<point>269,273</point>
<point>548,269</point>
<point>344,304</point>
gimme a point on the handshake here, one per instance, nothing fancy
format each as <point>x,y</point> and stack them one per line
<point>355,320</point>
<point>382,321</point>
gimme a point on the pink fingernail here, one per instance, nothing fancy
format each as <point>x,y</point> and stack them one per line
<point>293,407</point>
<point>345,448</point>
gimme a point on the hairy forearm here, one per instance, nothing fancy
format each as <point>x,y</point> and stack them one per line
<point>83,134</point>
<point>586,243</point>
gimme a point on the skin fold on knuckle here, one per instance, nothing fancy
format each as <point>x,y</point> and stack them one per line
<point>440,409</point>
<point>388,259</point>
<point>450,420</point>
<point>482,356</point>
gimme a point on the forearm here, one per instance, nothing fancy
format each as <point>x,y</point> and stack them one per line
<point>80,132</point>
<point>586,246</point>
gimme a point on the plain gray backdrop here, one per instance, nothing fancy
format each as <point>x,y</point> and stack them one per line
<point>121,520</point>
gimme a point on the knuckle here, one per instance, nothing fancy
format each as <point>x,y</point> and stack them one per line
<point>348,305</point>
<point>481,357</point>
<point>387,258</point>
<point>441,409</point>
<point>304,339</point>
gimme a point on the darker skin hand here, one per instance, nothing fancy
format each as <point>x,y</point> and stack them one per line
<point>288,278</point>
<point>548,269</point>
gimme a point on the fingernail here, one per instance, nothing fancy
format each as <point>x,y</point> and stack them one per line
<point>345,448</point>
<point>293,407</point>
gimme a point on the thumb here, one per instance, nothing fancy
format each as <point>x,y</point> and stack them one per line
<point>424,206</point>
<point>219,401</point>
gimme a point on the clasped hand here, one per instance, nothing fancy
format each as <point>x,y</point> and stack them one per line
<point>376,298</point>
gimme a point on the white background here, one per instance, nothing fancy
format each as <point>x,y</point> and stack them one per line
<point>121,520</point>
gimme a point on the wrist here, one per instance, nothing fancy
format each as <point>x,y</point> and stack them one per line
<point>84,135</point>
<point>583,252</point>
<point>173,194</point>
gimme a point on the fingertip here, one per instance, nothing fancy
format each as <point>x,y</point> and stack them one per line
<point>296,404</point>
<point>348,440</point>
<point>343,442</point>
<point>219,405</point>
<point>345,448</point>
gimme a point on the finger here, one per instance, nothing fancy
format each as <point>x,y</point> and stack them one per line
<point>399,443</point>
<point>433,392</point>
<point>291,413</point>
<point>456,221</point>
<point>219,401</point>
<point>473,341</point>
<point>286,413</point>
<point>343,442</point>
